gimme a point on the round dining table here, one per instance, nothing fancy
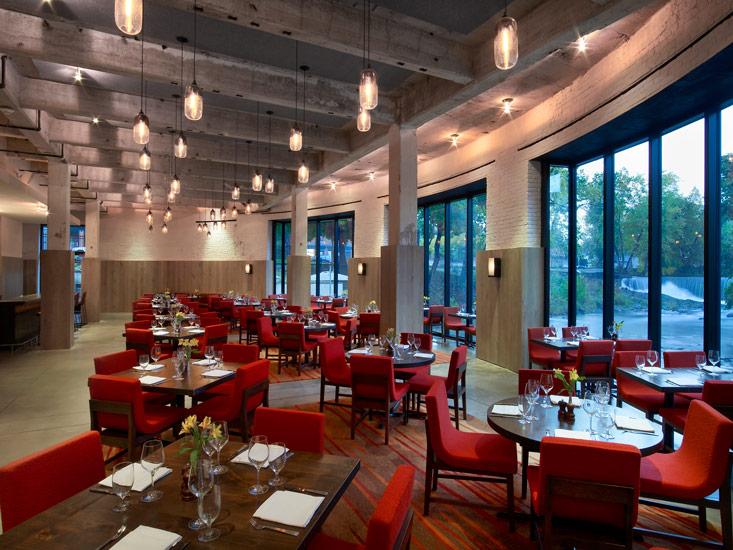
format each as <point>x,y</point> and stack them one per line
<point>403,363</point>
<point>319,327</point>
<point>167,333</point>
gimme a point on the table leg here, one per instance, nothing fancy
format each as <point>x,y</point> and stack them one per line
<point>667,430</point>
<point>525,463</point>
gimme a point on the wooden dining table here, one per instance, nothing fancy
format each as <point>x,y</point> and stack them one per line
<point>86,519</point>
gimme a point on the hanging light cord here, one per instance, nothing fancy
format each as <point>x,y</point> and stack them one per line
<point>296,82</point>
<point>257,144</point>
<point>236,156</point>
<point>181,92</point>
<point>142,68</point>
<point>194,40</point>
<point>369,33</point>
<point>364,35</point>
<point>269,144</point>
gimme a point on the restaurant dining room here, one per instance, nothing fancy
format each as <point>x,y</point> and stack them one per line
<point>366,274</point>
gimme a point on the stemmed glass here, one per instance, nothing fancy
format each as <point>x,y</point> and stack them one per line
<point>701,360</point>
<point>218,444</point>
<point>532,394</point>
<point>547,382</point>
<point>277,463</point>
<point>258,454</point>
<point>652,357</point>
<point>373,341</point>
<point>200,482</point>
<point>590,406</point>
<point>603,393</point>
<point>411,342</point>
<point>155,353</point>
<point>523,407</point>
<point>209,507</point>
<point>144,361</point>
<point>714,357</point>
<point>640,361</point>
<point>152,458</point>
<point>209,355</point>
<point>123,477</point>
<point>219,358</point>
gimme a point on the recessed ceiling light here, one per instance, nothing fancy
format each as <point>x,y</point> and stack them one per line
<point>454,140</point>
<point>582,44</point>
<point>507,104</point>
<point>372,175</point>
<point>333,186</point>
<point>78,77</point>
<point>95,120</point>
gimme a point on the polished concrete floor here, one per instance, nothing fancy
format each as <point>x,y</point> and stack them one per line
<point>44,397</point>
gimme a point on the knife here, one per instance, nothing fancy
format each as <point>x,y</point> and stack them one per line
<point>305,491</point>
<point>102,490</point>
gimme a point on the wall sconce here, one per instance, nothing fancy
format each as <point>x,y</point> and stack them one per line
<point>361,268</point>
<point>494,267</point>
<point>248,269</point>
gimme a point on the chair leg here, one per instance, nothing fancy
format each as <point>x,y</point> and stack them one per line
<point>525,462</point>
<point>353,422</point>
<point>726,515</point>
<point>323,392</point>
<point>405,409</point>
<point>510,502</point>
<point>338,388</point>
<point>702,518</point>
<point>456,410</point>
<point>428,483</point>
<point>465,409</point>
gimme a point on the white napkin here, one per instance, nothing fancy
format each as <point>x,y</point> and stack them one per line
<point>553,338</point>
<point>555,399</point>
<point>684,381</point>
<point>506,410</point>
<point>636,424</point>
<point>216,373</point>
<point>195,330</point>
<point>573,343</point>
<point>424,355</point>
<point>275,451</point>
<point>572,434</point>
<point>148,538</point>
<point>358,351</point>
<point>142,477</point>
<point>654,370</point>
<point>714,370</point>
<point>160,332</point>
<point>289,508</point>
<point>205,362</point>
<point>151,380</point>
<point>152,366</point>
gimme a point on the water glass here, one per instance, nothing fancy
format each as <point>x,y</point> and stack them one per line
<point>411,342</point>
<point>603,393</point>
<point>155,353</point>
<point>123,477</point>
<point>606,422</point>
<point>219,443</point>
<point>219,357</point>
<point>209,355</point>
<point>547,382</point>
<point>546,333</point>
<point>652,357</point>
<point>701,361</point>
<point>144,360</point>
<point>590,406</point>
<point>209,507</point>
<point>179,363</point>
<point>277,463</point>
<point>714,357</point>
<point>640,361</point>
<point>523,407</point>
<point>200,482</point>
<point>152,458</point>
<point>258,454</point>
<point>530,400</point>
<point>532,394</point>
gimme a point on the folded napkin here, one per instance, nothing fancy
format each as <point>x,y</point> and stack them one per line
<point>275,451</point>
<point>152,366</point>
<point>421,355</point>
<point>142,477</point>
<point>148,538</point>
<point>555,399</point>
<point>289,508</point>
<point>572,434</point>
<point>636,424</point>
<point>684,381</point>
<point>205,362</point>
<point>216,373</point>
<point>506,410</point>
<point>574,342</point>
<point>553,338</point>
<point>151,380</point>
<point>715,370</point>
<point>358,351</point>
<point>195,330</point>
<point>654,370</point>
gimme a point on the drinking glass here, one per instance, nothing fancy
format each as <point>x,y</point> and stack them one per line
<point>547,382</point>
<point>546,333</point>
<point>603,393</point>
<point>209,507</point>
<point>652,357</point>
<point>219,357</point>
<point>219,443</point>
<point>590,406</point>
<point>144,360</point>
<point>523,407</point>
<point>585,331</point>
<point>258,454</point>
<point>701,360</point>
<point>123,477</point>
<point>374,341</point>
<point>155,352</point>
<point>714,357</point>
<point>606,422</point>
<point>152,458</point>
<point>530,399</point>
<point>178,365</point>
<point>553,331</point>
<point>640,361</point>
<point>532,394</point>
<point>411,342</point>
<point>209,355</point>
<point>200,482</point>
<point>277,464</point>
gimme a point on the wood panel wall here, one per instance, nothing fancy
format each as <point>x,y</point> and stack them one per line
<point>11,277</point>
<point>364,288</point>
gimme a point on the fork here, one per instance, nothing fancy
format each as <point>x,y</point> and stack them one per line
<point>259,526</point>
<point>118,534</point>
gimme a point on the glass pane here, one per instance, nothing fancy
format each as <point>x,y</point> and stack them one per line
<point>458,228</point>
<point>558,242</point>
<point>435,283</point>
<point>277,254</point>
<point>326,258</point>
<point>286,253</point>
<point>420,226</point>
<point>726,229</point>
<point>479,238</point>
<point>631,240</point>
<point>683,175</point>
<point>311,251</point>
<point>345,251</point>
<point>589,266</point>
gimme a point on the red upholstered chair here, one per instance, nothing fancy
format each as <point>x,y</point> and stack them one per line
<point>248,323</point>
<point>471,335</point>
<point>299,430</point>
<point>296,309</point>
<point>334,370</point>
<point>212,301</point>
<point>454,383</point>
<point>119,412</point>
<point>717,393</point>
<point>586,491</point>
<point>390,526</point>
<point>536,374</point>
<point>144,324</point>
<point>243,354</point>
<point>433,318</point>
<point>265,334</point>
<point>214,335</point>
<point>251,389</point>
<point>451,322</point>
<point>346,328</point>
<point>373,389</point>
<point>292,344</point>
<point>368,326</point>
<point>210,318</point>
<point>697,469</point>
<point>141,340</point>
<point>115,362</point>
<point>629,345</point>
<point>594,360</point>
<point>143,315</point>
<point>425,342</point>
<point>485,457</point>
<point>543,356</point>
<point>32,484</point>
<point>682,360</point>
<point>338,302</point>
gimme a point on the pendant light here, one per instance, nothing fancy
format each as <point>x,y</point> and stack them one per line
<point>168,216</point>
<point>212,214</point>
<point>147,191</point>
<point>296,134</point>
<point>303,172</point>
<point>129,16</point>
<point>199,228</point>
<point>235,192</point>
<point>235,212</point>
<point>368,88</point>
<point>180,146</point>
<point>150,228</point>
<point>248,208</point>
<point>141,124</point>
<point>180,149</point>
<point>270,183</point>
<point>235,189</point>
<point>506,42</point>
<point>363,120</point>
<point>257,177</point>
<point>164,229</point>
<point>175,185</point>
<point>194,101</point>
<point>148,200</point>
<point>149,217</point>
<point>144,159</point>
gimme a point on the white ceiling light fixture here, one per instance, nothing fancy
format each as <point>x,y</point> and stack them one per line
<point>129,16</point>
<point>175,185</point>
<point>78,77</point>
<point>506,42</point>
<point>141,124</point>
<point>368,88</point>
<point>582,44</point>
<point>235,212</point>
<point>506,105</point>
<point>364,120</point>
<point>270,183</point>
<point>454,140</point>
<point>194,100</point>
<point>144,160</point>
<point>147,191</point>
<point>149,217</point>
<point>257,177</point>
<point>303,173</point>
<point>296,133</point>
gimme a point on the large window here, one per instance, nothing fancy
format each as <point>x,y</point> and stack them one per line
<point>452,229</point>
<point>558,244</point>
<point>77,235</point>
<point>330,245</point>
<point>726,229</point>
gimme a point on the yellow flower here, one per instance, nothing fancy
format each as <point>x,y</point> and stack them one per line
<point>188,424</point>
<point>205,423</point>
<point>216,431</point>
<point>573,375</point>
<point>557,371</point>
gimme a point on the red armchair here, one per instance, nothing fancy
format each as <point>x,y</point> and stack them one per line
<point>543,356</point>
<point>214,335</point>
<point>486,457</point>
<point>144,324</point>
<point>299,430</point>
<point>682,360</point>
<point>125,360</point>
<point>451,322</point>
<point>391,523</point>
<point>594,360</point>
<point>592,487</point>
<point>248,323</point>
<point>425,343</point>
<point>243,354</point>
<point>265,335</point>
<point>32,484</point>
<point>639,346</point>
<point>334,370</point>
<point>635,393</point>
<point>373,389</point>
<point>142,341</point>
<point>368,326</point>
<point>434,317</point>
<point>717,393</point>
<point>292,344</point>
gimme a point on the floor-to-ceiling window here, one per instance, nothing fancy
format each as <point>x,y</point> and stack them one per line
<point>77,234</point>
<point>726,230</point>
<point>452,229</point>
<point>559,220</point>
<point>329,245</point>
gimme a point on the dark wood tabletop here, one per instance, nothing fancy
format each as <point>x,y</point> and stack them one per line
<point>406,361</point>
<point>86,519</point>
<point>194,382</point>
<point>319,327</point>
<point>186,332</point>
<point>559,344</point>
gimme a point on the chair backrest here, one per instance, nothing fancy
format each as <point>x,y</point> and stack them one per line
<point>680,359</point>
<point>537,333</point>
<point>589,481</point>
<point>141,340</point>
<point>594,358</point>
<point>32,484</point>
<point>115,362</point>
<point>372,381</point>
<point>264,329</point>
<point>295,309</point>
<point>116,403</point>
<point>390,526</point>
<point>140,314</point>
<point>250,318</point>
<point>241,353</point>
<point>144,324</point>
<point>457,367</point>
<point>338,302</point>
<point>702,459</point>
<point>332,359</point>
<point>536,374</point>
<point>210,315</point>
<point>213,301</point>
<point>566,330</point>
<point>299,430</point>
<point>626,359</point>
<point>719,394</point>
<point>217,335</point>
<point>435,314</point>
<point>449,315</point>
<point>425,341</point>
<point>291,335</point>
<point>253,384</point>
<point>627,344</point>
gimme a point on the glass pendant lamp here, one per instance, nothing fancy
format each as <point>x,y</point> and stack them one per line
<point>303,173</point>
<point>164,229</point>
<point>235,212</point>
<point>147,192</point>
<point>270,185</point>
<point>144,159</point>
<point>194,100</point>
<point>149,217</point>
<point>235,192</point>
<point>368,89</point>
<point>506,43</point>
<point>129,16</point>
<point>175,185</point>
<point>141,129</point>
<point>363,120</point>
<point>180,147</point>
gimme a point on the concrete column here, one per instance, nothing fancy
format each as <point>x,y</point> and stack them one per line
<point>401,263</point>
<point>299,263</point>
<point>30,257</point>
<point>57,264</point>
<point>91,279</point>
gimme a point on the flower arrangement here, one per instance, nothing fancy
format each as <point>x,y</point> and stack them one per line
<point>426,300</point>
<point>200,433</point>
<point>614,329</point>
<point>188,345</point>
<point>180,316</point>
<point>568,381</point>
<point>372,306</point>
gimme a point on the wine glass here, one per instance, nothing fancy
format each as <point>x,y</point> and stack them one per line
<point>532,394</point>
<point>523,407</point>
<point>701,360</point>
<point>640,361</point>
<point>590,406</point>
<point>546,333</point>
<point>200,482</point>
<point>209,507</point>
<point>714,357</point>
<point>209,355</point>
<point>219,357</point>
<point>219,443</point>
<point>411,342</point>
<point>258,454</point>
<point>144,361</point>
<point>652,357</point>
<point>123,477</point>
<point>152,458</point>
<point>155,353</point>
<point>547,382</point>
<point>530,399</point>
<point>603,393</point>
<point>277,463</point>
